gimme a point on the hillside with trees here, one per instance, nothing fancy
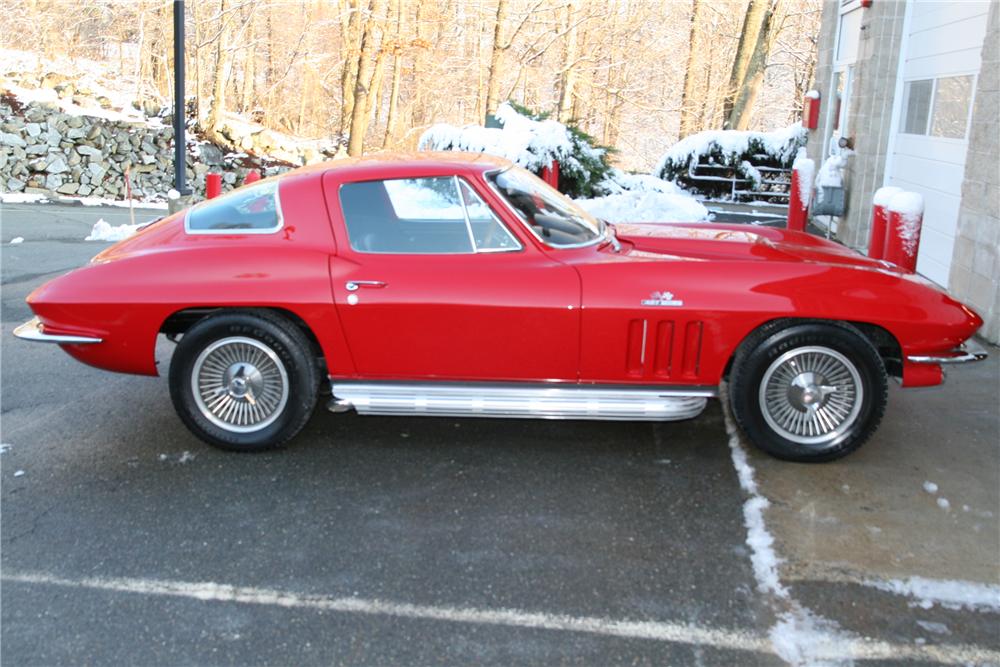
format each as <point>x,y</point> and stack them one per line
<point>376,74</point>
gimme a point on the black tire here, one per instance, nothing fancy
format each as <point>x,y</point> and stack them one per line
<point>287,368</point>
<point>800,414</point>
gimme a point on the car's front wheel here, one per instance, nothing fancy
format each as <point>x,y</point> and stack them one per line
<point>244,380</point>
<point>810,391</point>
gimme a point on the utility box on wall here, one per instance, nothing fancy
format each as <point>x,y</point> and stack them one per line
<point>810,110</point>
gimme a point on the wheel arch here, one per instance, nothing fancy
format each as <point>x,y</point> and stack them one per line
<point>180,321</point>
<point>889,349</point>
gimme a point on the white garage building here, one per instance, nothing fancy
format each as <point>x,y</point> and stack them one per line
<point>914,86</point>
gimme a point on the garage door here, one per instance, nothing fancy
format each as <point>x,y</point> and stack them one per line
<point>942,54</point>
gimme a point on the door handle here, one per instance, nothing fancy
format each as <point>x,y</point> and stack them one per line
<point>354,285</point>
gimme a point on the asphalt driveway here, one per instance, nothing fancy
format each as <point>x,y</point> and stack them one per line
<point>440,541</point>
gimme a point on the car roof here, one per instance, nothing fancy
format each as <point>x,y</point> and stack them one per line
<point>431,161</point>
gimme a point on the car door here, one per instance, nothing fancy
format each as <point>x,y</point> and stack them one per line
<point>430,284</point>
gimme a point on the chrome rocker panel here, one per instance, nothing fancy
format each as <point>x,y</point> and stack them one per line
<point>529,401</point>
<point>32,330</point>
<point>968,351</point>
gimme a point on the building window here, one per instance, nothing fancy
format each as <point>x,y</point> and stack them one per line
<point>938,107</point>
<point>917,105</point>
<point>951,107</point>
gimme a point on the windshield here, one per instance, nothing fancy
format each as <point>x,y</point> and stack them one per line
<point>553,218</point>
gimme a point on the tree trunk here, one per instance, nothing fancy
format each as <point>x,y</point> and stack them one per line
<point>249,68</point>
<point>568,74</point>
<point>753,22</point>
<point>739,117</point>
<point>691,103</point>
<point>496,59</point>
<point>363,81</point>
<point>392,120</point>
<point>351,54</point>
<point>223,64</point>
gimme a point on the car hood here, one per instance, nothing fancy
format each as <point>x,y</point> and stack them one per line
<point>713,241</point>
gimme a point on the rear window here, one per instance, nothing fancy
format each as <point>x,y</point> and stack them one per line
<point>253,209</point>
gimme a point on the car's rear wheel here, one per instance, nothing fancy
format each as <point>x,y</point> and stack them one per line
<point>809,391</point>
<point>244,380</point>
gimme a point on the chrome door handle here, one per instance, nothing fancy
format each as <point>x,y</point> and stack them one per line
<point>354,285</point>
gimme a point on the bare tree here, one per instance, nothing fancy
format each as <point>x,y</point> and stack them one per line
<point>691,102</point>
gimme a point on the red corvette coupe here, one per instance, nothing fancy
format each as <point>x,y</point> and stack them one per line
<point>458,284</point>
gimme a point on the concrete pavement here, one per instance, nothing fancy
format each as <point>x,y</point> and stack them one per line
<point>440,541</point>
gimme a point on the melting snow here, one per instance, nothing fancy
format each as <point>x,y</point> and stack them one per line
<point>22,198</point>
<point>18,473</point>
<point>16,240</point>
<point>103,231</point>
<point>936,628</point>
<point>943,503</point>
<point>4,448</point>
<point>950,594</point>
<point>910,207</point>
<point>930,487</point>
<point>805,171</point>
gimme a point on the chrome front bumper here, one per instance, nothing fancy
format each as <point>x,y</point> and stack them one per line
<point>33,330</point>
<point>968,351</point>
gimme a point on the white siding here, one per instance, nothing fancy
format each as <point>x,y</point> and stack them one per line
<point>944,39</point>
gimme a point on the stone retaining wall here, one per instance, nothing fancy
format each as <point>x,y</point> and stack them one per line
<point>46,151</point>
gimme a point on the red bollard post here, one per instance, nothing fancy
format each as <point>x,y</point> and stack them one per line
<point>800,191</point>
<point>550,174</point>
<point>880,220</point>
<point>213,185</point>
<point>252,177</point>
<point>906,215</point>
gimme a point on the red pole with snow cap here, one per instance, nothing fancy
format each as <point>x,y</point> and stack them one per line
<point>800,191</point>
<point>213,185</point>
<point>880,220</point>
<point>906,216</point>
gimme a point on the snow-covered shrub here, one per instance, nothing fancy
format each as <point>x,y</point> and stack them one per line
<point>532,141</point>
<point>742,152</point>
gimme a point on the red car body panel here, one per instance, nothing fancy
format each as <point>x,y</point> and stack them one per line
<point>535,314</point>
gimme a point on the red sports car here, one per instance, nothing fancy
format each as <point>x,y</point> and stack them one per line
<point>458,284</point>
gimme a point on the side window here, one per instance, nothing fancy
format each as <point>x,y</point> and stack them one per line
<point>487,230</point>
<point>249,210</point>
<point>420,216</point>
<point>917,105</point>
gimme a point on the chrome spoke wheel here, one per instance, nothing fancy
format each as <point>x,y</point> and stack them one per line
<point>239,384</point>
<point>811,395</point>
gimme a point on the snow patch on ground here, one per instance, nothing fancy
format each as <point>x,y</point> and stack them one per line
<point>763,557</point>
<point>948,593</point>
<point>23,198</point>
<point>936,628</point>
<point>18,473</point>
<point>121,203</point>
<point>799,637</point>
<point>930,487</point>
<point>943,503</point>
<point>17,240</point>
<point>4,448</point>
<point>646,207</point>
<point>103,231</point>
<point>803,639</point>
